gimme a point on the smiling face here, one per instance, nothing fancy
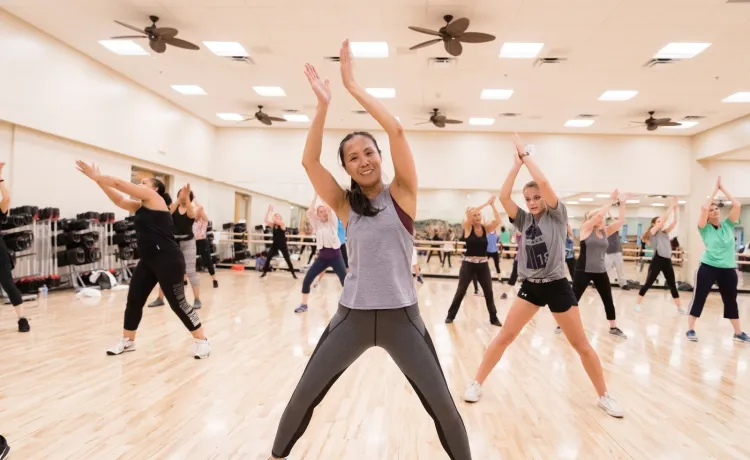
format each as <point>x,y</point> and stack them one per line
<point>476,216</point>
<point>322,213</point>
<point>714,213</point>
<point>361,159</point>
<point>533,197</point>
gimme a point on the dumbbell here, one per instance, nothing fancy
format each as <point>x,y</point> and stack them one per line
<point>19,241</point>
<point>92,255</point>
<point>75,256</point>
<point>12,222</point>
<point>94,236</point>
<point>126,253</point>
<point>78,224</point>
<point>122,239</point>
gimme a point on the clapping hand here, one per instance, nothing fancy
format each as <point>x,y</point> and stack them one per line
<point>322,89</point>
<point>347,70</point>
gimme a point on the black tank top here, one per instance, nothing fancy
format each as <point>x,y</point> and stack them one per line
<point>476,246</point>
<point>183,225</point>
<point>154,230</point>
<point>279,236</point>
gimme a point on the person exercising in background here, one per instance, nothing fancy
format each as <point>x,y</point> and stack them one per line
<point>570,254</point>
<point>278,242</point>
<point>613,257</point>
<point>203,246</point>
<point>6,262</point>
<point>514,272</point>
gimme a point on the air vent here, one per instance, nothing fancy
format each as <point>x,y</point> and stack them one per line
<point>332,58</point>
<point>241,59</point>
<point>658,62</point>
<point>441,62</point>
<point>509,115</point>
<point>359,112</point>
<point>290,110</point>
<point>549,60</point>
<point>695,117</point>
<point>587,115</point>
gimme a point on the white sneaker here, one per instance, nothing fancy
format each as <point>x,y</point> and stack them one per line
<point>610,406</point>
<point>473,392</point>
<point>681,311</point>
<point>202,349</point>
<point>122,346</point>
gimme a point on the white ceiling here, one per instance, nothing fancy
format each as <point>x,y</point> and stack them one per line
<point>606,43</point>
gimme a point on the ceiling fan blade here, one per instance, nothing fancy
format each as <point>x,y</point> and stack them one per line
<point>277,119</point>
<point>427,43</point>
<point>454,47</point>
<point>671,123</point>
<point>246,119</point>
<point>180,43</point>
<point>423,123</point>
<point>453,122</point>
<point>639,125</point>
<point>475,37</point>
<point>425,31</point>
<point>127,37</point>
<point>165,32</point>
<point>158,45</point>
<point>265,121</point>
<point>457,27</point>
<point>131,27</point>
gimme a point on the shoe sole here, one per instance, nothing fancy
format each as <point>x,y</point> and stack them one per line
<point>611,414</point>
<point>109,353</point>
<point>202,357</point>
<point>739,340</point>
<point>472,401</point>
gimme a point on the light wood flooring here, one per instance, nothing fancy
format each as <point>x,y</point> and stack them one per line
<point>61,397</point>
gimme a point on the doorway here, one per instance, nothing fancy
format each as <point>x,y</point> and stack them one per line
<point>241,207</point>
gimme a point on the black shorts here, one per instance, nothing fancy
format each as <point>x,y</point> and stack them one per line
<point>558,295</point>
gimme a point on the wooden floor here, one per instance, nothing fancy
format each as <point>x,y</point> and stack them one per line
<point>61,397</point>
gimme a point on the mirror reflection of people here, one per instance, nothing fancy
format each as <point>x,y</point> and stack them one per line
<point>6,262</point>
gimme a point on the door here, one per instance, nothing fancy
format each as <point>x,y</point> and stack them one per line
<point>241,207</point>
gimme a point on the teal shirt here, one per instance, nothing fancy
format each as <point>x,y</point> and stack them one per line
<point>719,245</point>
<point>505,237</point>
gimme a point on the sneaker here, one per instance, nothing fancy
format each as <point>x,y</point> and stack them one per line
<point>616,331</point>
<point>742,337</point>
<point>691,335</point>
<point>419,279</point>
<point>197,304</point>
<point>504,296</point>
<point>202,349</point>
<point>216,284</point>
<point>448,320</point>
<point>263,275</point>
<point>301,309</point>
<point>23,325</point>
<point>496,322</point>
<point>122,346</point>
<point>610,406</point>
<point>473,392</point>
<point>625,287</point>
<point>159,302</point>
<point>558,330</point>
<point>4,448</point>
<point>681,311</point>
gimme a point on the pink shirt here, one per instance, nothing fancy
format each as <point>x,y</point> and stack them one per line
<point>200,225</point>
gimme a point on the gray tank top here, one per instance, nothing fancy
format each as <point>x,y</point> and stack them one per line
<point>591,258</point>
<point>660,243</point>
<point>614,243</point>
<point>380,250</point>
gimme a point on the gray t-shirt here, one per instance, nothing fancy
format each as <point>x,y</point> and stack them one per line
<point>543,255</point>
<point>660,243</point>
<point>614,243</point>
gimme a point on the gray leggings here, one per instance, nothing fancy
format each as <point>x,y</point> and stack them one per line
<point>402,333</point>
<point>190,253</point>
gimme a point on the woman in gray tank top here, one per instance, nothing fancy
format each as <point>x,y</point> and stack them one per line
<point>378,305</point>
<point>657,235</point>
<point>541,268</point>
<point>590,266</point>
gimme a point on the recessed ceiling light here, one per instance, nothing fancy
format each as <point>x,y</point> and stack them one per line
<point>632,201</point>
<point>478,121</point>
<point>617,95</point>
<point>658,205</point>
<point>191,90</point>
<point>296,117</point>
<point>602,195</point>
<point>579,123</point>
<point>124,47</point>
<point>520,50</point>
<point>230,116</point>
<point>683,125</point>
<point>742,96</point>
<point>382,93</point>
<point>572,202</point>
<point>681,50</point>
<point>226,49</point>
<point>369,49</point>
<point>681,202</point>
<point>496,94</point>
<point>585,199</point>
<point>269,91</point>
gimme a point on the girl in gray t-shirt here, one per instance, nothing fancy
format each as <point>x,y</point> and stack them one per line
<point>541,268</point>
<point>657,236</point>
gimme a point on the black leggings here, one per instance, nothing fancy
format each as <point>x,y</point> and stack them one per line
<point>658,265</point>
<point>496,257</point>
<point>705,278</point>
<point>601,283</point>
<point>468,271</point>
<point>447,256</point>
<point>401,332</point>
<point>166,267</point>
<point>435,251</point>
<point>272,253</point>
<point>204,251</point>
<point>319,266</point>
<point>513,274</point>
<point>345,255</point>
<point>313,249</point>
<point>6,280</point>
<point>571,267</point>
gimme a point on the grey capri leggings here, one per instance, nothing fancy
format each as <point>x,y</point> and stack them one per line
<point>190,252</point>
<point>402,333</point>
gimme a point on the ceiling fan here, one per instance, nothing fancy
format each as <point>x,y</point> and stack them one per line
<point>158,37</point>
<point>452,35</point>
<point>263,117</point>
<point>440,120</point>
<point>652,124</point>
